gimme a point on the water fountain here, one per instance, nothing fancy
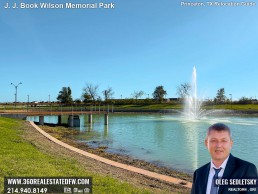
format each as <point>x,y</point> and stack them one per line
<point>192,108</point>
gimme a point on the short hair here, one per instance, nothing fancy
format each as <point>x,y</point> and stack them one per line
<point>219,127</point>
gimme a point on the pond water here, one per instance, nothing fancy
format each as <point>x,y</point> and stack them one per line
<point>166,140</point>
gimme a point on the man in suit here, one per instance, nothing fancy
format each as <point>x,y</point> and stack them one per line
<point>219,143</point>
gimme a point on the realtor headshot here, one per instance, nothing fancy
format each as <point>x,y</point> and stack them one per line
<point>223,164</point>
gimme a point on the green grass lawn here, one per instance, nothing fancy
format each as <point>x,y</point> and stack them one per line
<point>19,157</point>
<point>133,107</point>
<point>150,107</point>
<point>165,106</point>
<point>243,107</point>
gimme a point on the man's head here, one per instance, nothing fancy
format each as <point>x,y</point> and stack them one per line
<point>219,142</point>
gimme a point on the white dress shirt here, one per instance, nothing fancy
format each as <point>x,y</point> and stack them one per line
<point>212,173</point>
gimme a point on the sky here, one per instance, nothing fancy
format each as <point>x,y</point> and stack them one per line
<point>137,45</point>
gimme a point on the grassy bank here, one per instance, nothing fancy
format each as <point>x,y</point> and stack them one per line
<point>240,107</point>
<point>165,106</point>
<point>129,107</point>
<point>21,157</point>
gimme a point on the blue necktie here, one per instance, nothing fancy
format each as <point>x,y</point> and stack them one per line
<point>214,188</point>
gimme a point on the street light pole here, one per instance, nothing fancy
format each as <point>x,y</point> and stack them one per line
<point>16,86</point>
<point>28,103</point>
<point>231,100</point>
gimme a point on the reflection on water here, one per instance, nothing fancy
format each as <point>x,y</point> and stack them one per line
<point>191,140</point>
<point>168,140</point>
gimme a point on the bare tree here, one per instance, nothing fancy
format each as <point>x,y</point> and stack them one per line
<point>183,90</point>
<point>137,94</point>
<point>108,93</point>
<point>91,91</point>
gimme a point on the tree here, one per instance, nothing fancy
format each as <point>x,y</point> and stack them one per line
<point>183,90</point>
<point>86,97</point>
<point>220,96</point>
<point>108,93</point>
<point>65,95</point>
<point>159,93</point>
<point>77,101</point>
<point>245,100</point>
<point>90,91</point>
<point>137,94</point>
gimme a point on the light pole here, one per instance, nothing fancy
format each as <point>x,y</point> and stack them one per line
<point>16,86</point>
<point>49,103</point>
<point>28,102</point>
<point>231,100</point>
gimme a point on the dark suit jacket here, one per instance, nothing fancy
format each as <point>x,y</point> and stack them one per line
<point>235,169</point>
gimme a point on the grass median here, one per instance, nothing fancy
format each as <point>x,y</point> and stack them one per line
<point>20,157</point>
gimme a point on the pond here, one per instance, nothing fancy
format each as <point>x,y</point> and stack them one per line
<point>166,140</point>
